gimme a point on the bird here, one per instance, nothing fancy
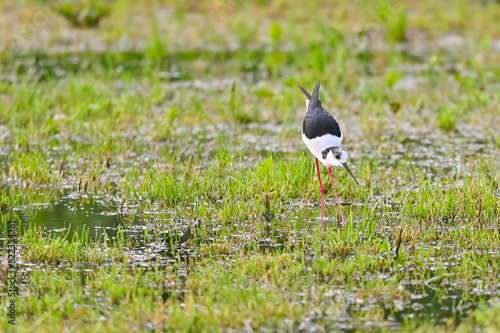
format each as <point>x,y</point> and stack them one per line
<point>322,136</point>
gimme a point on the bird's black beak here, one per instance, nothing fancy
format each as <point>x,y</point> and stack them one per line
<point>349,170</point>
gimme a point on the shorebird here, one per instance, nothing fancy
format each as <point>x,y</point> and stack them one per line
<point>322,135</point>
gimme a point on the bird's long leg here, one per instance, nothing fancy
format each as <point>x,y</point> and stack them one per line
<point>340,208</point>
<point>321,191</point>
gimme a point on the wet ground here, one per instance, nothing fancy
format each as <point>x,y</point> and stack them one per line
<point>154,239</point>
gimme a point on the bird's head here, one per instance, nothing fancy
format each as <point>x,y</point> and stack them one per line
<point>337,157</point>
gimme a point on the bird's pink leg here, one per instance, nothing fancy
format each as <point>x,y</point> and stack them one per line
<point>340,208</point>
<point>321,191</point>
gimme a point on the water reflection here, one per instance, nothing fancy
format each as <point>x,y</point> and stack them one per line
<point>72,213</point>
<point>439,305</point>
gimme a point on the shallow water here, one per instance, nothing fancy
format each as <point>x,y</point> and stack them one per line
<point>73,215</point>
<point>439,304</point>
<point>151,235</point>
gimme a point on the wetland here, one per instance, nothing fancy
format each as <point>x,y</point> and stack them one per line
<point>152,163</point>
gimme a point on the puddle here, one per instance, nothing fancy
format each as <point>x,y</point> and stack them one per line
<point>73,215</point>
<point>308,214</point>
<point>441,306</point>
<point>153,231</point>
<point>69,212</point>
<point>438,304</point>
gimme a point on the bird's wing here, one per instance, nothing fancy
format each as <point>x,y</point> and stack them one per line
<point>314,101</point>
<point>318,122</point>
<point>305,92</point>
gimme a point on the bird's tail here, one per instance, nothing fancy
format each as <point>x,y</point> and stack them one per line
<point>314,101</point>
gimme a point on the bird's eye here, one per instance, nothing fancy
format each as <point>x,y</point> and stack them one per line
<point>337,157</point>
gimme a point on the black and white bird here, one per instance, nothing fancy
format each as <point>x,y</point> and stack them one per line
<point>322,135</point>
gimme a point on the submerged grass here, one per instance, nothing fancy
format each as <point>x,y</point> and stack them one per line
<point>55,249</point>
<point>307,282</point>
<point>191,140</point>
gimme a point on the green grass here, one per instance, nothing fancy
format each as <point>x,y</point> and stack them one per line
<point>179,124</point>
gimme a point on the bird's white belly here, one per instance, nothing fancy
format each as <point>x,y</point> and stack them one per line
<point>319,144</point>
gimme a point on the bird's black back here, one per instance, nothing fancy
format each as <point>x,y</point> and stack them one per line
<point>318,121</point>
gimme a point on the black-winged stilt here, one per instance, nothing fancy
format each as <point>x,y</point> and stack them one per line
<point>322,135</point>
